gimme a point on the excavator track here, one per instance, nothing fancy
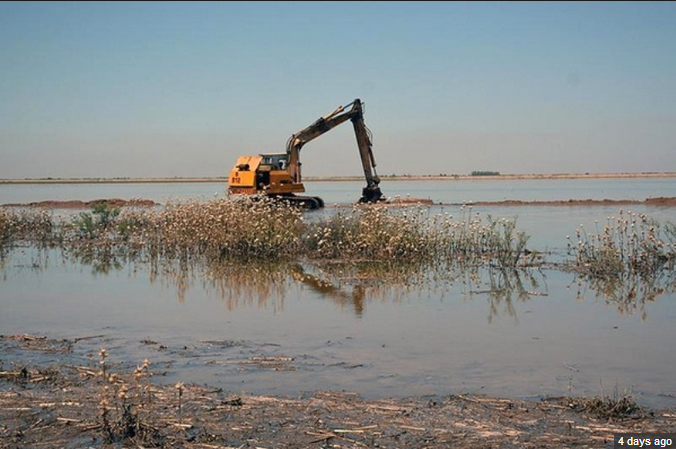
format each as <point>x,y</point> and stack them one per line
<point>306,202</point>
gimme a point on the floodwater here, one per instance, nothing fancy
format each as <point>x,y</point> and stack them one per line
<point>263,331</point>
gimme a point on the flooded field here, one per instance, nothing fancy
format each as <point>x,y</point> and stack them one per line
<point>288,328</point>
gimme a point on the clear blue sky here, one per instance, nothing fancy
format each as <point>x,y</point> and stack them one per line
<point>127,89</point>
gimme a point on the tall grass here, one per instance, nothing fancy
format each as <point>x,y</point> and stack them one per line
<point>368,234</point>
<point>5,231</point>
<point>36,226</point>
<point>258,229</point>
<point>189,232</point>
<point>627,244</point>
<point>211,242</point>
<point>267,230</point>
<point>412,235</point>
<point>627,257</point>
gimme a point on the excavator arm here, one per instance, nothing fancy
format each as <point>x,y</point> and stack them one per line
<point>371,193</point>
<point>355,113</point>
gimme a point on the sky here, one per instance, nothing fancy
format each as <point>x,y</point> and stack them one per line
<point>181,89</point>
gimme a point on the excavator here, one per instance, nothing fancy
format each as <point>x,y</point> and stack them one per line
<point>278,175</point>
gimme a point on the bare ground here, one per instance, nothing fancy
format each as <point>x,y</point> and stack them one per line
<point>66,406</point>
<point>657,201</point>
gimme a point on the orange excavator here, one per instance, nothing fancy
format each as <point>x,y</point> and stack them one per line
<point>278,175</point>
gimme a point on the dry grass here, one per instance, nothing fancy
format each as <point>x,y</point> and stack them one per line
<point>392,241</point>
<point>412,235</point>
<point>630,243</point>
<point>36,226</point>
<point>267,230</point>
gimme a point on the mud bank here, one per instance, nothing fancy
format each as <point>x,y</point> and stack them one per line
<point>59,404</point>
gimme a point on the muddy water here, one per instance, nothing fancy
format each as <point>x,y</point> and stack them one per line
<point>276,334</point>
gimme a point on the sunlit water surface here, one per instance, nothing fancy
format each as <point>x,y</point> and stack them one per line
<point>550,334</point>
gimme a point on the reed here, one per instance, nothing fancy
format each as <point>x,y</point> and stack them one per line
<point>627,244</point>
<point>263,229</point>
<point>36,226</point>
<point>258,229</point>
<point>414,235</point>
<point>5,229</point>
<point>368,234</point>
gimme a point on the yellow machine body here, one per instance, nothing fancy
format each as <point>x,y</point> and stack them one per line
<point>262,174</point>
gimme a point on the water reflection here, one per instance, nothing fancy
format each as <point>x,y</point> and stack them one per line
<point>236,284</point>
<point>327,289</point>
<point>347,284</point>
<point>352,285</point>
<point>505,286</point>
<point>101,265</point>
<point>628,293</point>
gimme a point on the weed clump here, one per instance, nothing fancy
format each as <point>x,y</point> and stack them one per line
<point>5,230</point>
<point>604,407</point>
<point>629,244</point>
<point>369,234</point>
<point>36,226</point>
<point>248,229</point>
<point>122,404</point>
<point>412,236</point>
<point>264,229</point>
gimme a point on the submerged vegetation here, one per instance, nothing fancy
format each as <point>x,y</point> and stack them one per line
<point>631,244</point>
<point>628,261</point>
<point>628,257</point>
<point>268,230</point>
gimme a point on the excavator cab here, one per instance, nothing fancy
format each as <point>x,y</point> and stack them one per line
<point>276,161</point>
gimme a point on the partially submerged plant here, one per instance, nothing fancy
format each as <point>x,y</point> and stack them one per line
<point>374,233</point>
<point>411,235</point>
<point>259,229</point>
<point>98,221</point>
<point>628,244</point>
<point>36,226</point>
<point>263,229</point>
<point>5,230</point>
<point>606,407</point>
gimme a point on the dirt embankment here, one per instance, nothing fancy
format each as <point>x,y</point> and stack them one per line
<point>659,201</point>
<point>78,204</point>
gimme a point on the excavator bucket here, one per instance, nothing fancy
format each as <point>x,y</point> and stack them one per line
<point>371,195</point>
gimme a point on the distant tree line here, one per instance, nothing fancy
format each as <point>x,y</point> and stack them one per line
<point>485,173</point>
